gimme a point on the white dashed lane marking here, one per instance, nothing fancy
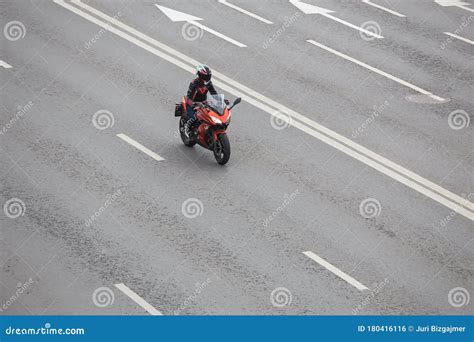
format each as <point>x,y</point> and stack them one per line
<point>140,147</point>
<point>459,37</point>
<point>5,64</point>
<point>139,300</point>
<point>335,270</point>
<point>368,2</point>
<point>244,11</point>
<point>378,71</point>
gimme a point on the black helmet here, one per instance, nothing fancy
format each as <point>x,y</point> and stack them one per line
<point>204,73</point>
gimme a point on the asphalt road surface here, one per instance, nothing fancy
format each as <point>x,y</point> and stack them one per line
<point>348,191</point>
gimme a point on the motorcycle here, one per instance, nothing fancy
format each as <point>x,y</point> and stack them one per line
<point>213,116</point>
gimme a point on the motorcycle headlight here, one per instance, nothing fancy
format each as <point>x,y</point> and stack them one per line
<point>216,120</point>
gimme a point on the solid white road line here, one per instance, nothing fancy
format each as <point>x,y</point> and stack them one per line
<point>139,300</point>
<point>5,64</point>
<point>378,71</point>
<point>460,38</point>
<point>250,14</point>
<point>368,2</point>
<point>343,144</point>
<point>140,147</point>
<point>335,270</point>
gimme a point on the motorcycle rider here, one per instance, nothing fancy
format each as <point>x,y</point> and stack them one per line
<point>197,93</point>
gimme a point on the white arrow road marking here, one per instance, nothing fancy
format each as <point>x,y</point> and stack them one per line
<point>220,35</point>
<point>311,9</point>
<point>460,38</point>
<point>5,64</point>
<point>341,143</point>
<point>139,300</point>
<point>378,71</point>
<point>140,147</point>
<point>174,16</point>
<point>335,270</point>
<point>240,9</point>
<point>455,3</point>
<point>368,2</point>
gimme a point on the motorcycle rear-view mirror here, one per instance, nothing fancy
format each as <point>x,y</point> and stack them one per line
<point>237,101</point>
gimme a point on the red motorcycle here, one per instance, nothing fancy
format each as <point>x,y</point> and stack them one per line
<point>214,118</point>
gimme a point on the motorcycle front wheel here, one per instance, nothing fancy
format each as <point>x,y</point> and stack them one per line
<point>188,141</point>
<point>222,149</point>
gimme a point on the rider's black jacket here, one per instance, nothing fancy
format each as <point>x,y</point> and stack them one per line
<point>197,91</point>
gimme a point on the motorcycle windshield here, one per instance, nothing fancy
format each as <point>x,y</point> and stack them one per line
<point>216,102</point>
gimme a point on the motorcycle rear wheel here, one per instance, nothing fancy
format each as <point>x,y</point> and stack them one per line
<point>222,149</point>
